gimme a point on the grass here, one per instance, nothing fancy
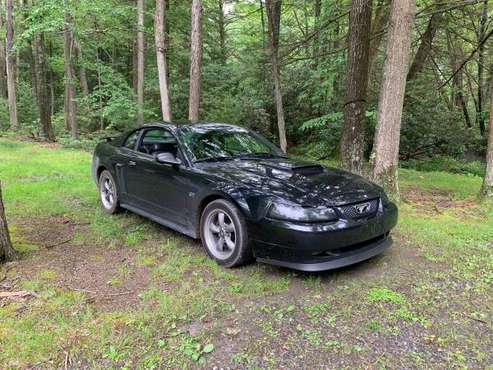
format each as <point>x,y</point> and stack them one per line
<point>426,301</point>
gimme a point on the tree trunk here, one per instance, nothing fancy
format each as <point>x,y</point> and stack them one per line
<point>352,139</point>
<point>480,117</point>
<point>378,29</point>
<point>159,28</point>
<point>70,119</point>
<point>458,97</point>
<point>221,27</point>
<point>7,253</point>
<point>140,62</point>
<point>84,86</point>
<point>425,46</point>
<point>3,65</point>
<point>134,66</point>
<point>273,8</point>
<point>195,61</point>
<point>42,93</point>
<point>11,67</point>
<point>316,28</point>
<point>487,188</point>
<point>385,154</point>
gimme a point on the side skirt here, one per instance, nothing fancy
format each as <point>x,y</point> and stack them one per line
<point>172,225</point>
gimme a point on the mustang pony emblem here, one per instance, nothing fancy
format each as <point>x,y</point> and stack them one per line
<point>362,208</point>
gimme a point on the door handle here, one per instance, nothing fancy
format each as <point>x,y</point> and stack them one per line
<point>132,163</point>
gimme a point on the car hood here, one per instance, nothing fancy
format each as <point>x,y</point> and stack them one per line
<point>294,180</point>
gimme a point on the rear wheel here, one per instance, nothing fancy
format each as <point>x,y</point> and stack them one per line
<point>224,234</point>
<point>108,192</point>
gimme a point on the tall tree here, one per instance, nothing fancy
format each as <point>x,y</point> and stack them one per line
<point>385,154</point>
<point>11,67</point>
<point>195,61</point>
<point>84,85</point>
<point>480,116</point>
<point>424,48</point>
<point>42,93</point>
<point>70,118</point>
<point>140,62</point>
<point>7,253</point>
<point>160,31</point>
<point>487,188</point>
<point>3,65</point>
<point>221,28</point>
<point>378,26</point>
<point>273,8</point>
<point>459,99</point>
<point>352,139</point>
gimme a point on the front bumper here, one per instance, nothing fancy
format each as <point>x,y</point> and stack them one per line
<point>318,247</point>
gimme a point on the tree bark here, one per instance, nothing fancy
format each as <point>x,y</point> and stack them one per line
<point>70,119</point>
<point>3,65</point>
<point>273,8</point>
<point>385,154</point>
<point>424,48</point>
<point>378,29</point>
<point>84,85</point>
<point>352,139</point>
<point>42,93</point>
<point>159,28</point>
<point>480,118</point>
<point>11,67</point>
<point>487,188</point>
<point>459,99</point>
<point>221,27</point>
<point>7,253</point>
<point>195,61</point>
<point>140,62</point>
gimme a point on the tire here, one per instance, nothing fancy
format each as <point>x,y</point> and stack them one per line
<point>232,232</point>
<point>108,193</point>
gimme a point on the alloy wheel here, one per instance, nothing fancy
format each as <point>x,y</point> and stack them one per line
<point>220,234</point>
<point>108,195</point>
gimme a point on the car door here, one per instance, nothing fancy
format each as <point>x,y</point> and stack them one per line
<point>159,189</point>
<point>124,161</point>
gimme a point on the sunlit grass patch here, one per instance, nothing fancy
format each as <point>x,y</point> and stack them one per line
<point>461,186</point>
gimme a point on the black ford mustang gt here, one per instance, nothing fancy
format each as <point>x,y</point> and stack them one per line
<point>243,196</point>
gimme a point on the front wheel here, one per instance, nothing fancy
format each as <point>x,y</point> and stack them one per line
<point>224,234</point>
<point>108,192</point>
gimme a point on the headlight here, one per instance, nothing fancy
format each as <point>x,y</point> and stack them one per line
<point>303,214</point>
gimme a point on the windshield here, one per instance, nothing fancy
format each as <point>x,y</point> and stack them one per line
<point>219,142</point>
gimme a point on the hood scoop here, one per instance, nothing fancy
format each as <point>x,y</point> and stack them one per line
<point>308,170</point>
<point>303,170</point>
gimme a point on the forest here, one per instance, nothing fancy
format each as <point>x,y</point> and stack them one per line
<point>397,91</point>
<point>327,79</point>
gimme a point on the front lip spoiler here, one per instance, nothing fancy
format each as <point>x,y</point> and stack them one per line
<point>335,262</point>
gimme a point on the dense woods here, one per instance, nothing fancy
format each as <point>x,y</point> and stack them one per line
<point>365,82</point>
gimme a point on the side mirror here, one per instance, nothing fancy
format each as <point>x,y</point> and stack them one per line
<point>167,158</point>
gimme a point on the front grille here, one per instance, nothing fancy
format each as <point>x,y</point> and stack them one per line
<point>360,210</point>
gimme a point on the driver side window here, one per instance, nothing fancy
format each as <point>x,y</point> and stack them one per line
<point>158,140</point>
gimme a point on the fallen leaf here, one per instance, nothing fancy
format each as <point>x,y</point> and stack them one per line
<point>208,348</point>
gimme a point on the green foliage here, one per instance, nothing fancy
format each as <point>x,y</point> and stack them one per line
<point>446,164</point>
<point>385,295</point>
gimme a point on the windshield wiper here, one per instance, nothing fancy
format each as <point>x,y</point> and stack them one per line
<point>214,159</point>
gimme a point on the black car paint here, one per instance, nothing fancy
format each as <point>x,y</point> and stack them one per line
<point>174,195</point>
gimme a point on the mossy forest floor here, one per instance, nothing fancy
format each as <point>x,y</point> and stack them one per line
<point>121,291</point>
